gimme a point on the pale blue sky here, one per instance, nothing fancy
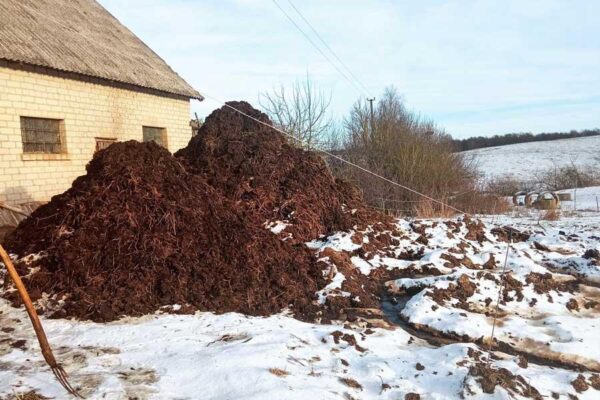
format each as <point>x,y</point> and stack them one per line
<point>475,67</point>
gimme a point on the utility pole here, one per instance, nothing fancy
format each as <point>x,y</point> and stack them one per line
<point>371,103</point>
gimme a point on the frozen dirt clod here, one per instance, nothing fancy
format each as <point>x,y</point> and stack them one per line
<point>489,377</point>
<point>139,231</point>
<point>591,254</point>
<point>506,232</point>
<point>580,384</point>
<point>461,290</point>
<point>544,283</point>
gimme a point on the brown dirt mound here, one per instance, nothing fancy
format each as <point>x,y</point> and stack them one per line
<point>461,290</point>
<point>255,166</point>
<point>489,377</point>
<point>139,231</point>
<point>505,233</point>
<point>592,253</point>
<point>475,229</point>
<point>544,283</point>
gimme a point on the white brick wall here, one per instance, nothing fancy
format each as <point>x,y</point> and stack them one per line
<point>89,110</point>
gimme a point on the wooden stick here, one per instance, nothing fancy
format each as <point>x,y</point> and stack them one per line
<point>58,371</point>
<point>13,209</point>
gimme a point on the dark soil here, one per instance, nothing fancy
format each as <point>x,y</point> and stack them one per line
<point>27,396</point>
<point>592,253</point>
<point>580,384</point>
<point>572,305</point>
<point>461,290</point>
<point>513,289</point>
<point>475,229</point>
<point>544,283</point>
<point>144,229</point>
<point>522,361</point>
<point>368,289</point>
<point>348,338</point>
<point>540,247</point>
<point>19,344</point>
<point>490,263</point>
<point>506,232</point>
<point>489,377</point>
<point>351,383</point>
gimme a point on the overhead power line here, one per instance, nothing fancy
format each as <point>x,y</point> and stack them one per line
<point>364,88</point>
<point>340,71</point>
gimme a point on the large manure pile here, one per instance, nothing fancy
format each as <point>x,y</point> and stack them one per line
<point>254,165</point>
<point>145,229</point>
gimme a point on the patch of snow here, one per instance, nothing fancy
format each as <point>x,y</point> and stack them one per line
<point>276,226</point>
<point>231,356</point>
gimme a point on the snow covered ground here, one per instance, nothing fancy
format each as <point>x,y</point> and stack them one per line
<point>451,276</point>
<point>205,356</point>
<point>549,302</point>
<point>523,160</point>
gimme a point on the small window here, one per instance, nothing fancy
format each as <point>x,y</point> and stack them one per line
<point>102,143</point>
<point>42,135</point>
<point>158,135</point>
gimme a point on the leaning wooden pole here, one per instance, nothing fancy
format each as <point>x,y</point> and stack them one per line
<point>13,209</point>
<point>57,369</point>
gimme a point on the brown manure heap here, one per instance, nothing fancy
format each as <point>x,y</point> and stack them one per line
<point>254,165</point>
<point>145,229</point>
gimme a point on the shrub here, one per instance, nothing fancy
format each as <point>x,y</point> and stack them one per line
<point>506,185</point>
<point>551,215</point>
<point>567,177</point>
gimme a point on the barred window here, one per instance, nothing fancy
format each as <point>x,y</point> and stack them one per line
<point>42,135</point>
<point>158,135</point>
<point>102,143</point>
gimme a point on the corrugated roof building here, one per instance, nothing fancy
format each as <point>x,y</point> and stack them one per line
<point>73,80</point>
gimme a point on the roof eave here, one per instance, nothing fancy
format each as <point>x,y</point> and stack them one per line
<point>190,94</point>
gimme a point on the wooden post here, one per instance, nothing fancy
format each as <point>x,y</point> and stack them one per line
<point>13,209</point>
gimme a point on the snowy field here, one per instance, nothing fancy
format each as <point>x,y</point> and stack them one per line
<point>433,343</point>
<point>235,357</point>
<point>523,160</point>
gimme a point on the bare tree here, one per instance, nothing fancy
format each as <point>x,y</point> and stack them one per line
<point>302,112</point>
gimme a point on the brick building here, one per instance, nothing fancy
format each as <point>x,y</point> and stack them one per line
<point>73,80</point>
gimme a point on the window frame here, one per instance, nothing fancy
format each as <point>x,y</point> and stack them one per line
<point>163,133</point>
<point>98,140</point>
<point>61,135</point>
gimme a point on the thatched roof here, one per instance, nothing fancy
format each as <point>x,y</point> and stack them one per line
<point>82,37</point>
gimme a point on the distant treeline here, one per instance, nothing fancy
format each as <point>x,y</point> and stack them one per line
<point>479,142</point>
